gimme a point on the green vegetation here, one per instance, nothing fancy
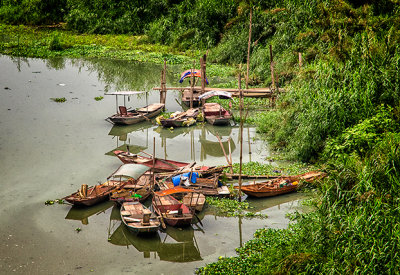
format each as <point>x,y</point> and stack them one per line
<point>232,208</point>
<point>341,107</point>
<point>257,169</point>
<point>58,99</point>
<point>98,98</point>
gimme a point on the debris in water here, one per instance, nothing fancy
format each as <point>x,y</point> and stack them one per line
<point>6,88</point>
<point>78,229</point>
<point>61,84</point>
<point>58,99</point>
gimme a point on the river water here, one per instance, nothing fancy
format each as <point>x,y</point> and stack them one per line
<point>48,149</point>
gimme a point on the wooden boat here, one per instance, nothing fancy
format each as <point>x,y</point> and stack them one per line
<point>128,117</point>
<point>134,190</point>
<point>215,114</point>
<point>174,212</point>
<point>207,186</point>
<point>88,196</point>
<point>138,218</point>
<point>161,165</point>
<point>194,200</point>
<point>279,186</point>
<point>179,119</point>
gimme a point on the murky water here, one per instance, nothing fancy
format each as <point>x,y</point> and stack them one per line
<point>48,149</point>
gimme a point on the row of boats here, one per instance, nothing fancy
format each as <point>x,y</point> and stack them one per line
<point>213,113</point>
<point>178,190</point>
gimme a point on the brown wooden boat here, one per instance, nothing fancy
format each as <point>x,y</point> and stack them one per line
<point>138,218</point>
<point>88,196</point>
<point>128,117</point>
<point>161,165</point>
<point>279,186</point>
<point>194,200</point>
<point>134,190</point>
<point>180,119</point>
<point>174,212</point>
<point>215,114</point>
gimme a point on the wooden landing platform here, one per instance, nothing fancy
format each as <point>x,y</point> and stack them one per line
<point>254,92</point>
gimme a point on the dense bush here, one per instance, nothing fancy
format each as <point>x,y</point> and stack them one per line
<point>32,11</point>
<point>117,17</point>
<point>354,228</point>
<point>193,24</point>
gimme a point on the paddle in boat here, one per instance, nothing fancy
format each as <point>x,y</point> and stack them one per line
<point>172,211</point>
<point>126,116</point>
<point>138,218</point>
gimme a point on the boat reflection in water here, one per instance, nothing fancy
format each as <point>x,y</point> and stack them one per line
<point>173,245</point>
<point>123,141</point>
<point>83,213</point>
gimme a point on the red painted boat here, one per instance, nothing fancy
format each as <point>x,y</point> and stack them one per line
<point>161,165</point>
<point>172,211</point>
<point>215,114</point>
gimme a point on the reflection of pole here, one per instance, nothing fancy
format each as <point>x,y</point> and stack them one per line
<point>154,159</point>
<point>248,136</point>
<point>230,154</point>
<point>241,134</point>
<point>240,232</point>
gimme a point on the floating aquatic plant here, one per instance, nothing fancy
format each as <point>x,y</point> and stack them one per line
<point>58,99</point>
<point>98,98</point>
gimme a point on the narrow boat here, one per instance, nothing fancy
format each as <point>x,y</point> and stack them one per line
<point>215,114</point>
<point>160,165</point>
<point>138,218</point>
<point>179,119</point>
<point>172,211</point>
<point>129,117</point>
<point>279,186</point>
<point>88,196</point>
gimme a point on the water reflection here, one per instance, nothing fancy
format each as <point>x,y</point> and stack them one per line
<point>83,213</point>
<point>173,244</point>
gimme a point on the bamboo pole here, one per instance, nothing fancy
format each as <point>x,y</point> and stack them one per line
<point>300,60</point>
<point>248,49</point>
<point>230,154</point>
<point>192,85</point>
<point>154,160</point>
<point>272,67</point>
<point>241,134</point>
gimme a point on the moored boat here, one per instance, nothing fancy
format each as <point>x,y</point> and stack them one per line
<point>160,165</point>
<point>172,211</point>
<point>88,196</point>
<point>129,117</point>
<point>138,218</point>
<point>279,186</point>
<point>179,119</point>
<point>215,114</point>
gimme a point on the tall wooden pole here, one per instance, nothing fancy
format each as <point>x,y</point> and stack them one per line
<point>272,67</point>
<point>300,60</point>
<point>154,159</point>
<point>248,49</point>
<point>241,133</point>
<point>192,85</point>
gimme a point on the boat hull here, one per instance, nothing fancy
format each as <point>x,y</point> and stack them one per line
<point>137,227</point>
<point>268,192</point>
<point>129,120</point>
<point>218,121</point>
<point>164,209</point>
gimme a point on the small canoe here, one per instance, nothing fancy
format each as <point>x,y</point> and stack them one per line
<point>138,218</point>
<point>174,212</point>
<point>129,117</point>
<point>92,195</point>
<point>161,165</point>
<point>215,114</point>
<point>279,186</point>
